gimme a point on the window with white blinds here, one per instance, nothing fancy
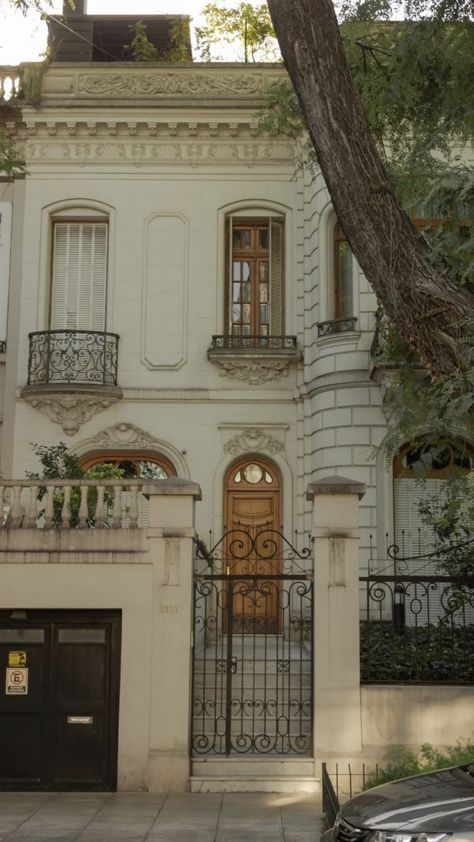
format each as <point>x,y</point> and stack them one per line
<point>412,536</point>
<point>79,276</point>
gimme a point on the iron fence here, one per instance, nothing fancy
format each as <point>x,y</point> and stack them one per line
<point>418,624</point>
<point>78,357</point>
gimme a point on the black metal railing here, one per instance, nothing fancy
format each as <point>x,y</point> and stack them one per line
<point>73,357</point>
<point>331,804</point>
<point>417,623</point>
<point>259,343</point>
<point>334,326</point>
<point>252,667</point>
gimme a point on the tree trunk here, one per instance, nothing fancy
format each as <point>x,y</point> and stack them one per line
<point>430,311</point>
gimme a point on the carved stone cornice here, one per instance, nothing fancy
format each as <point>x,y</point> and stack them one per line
<point>253,439</point>
<point>70,411</point>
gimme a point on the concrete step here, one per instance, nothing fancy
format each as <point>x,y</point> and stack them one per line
<point>254,774</point>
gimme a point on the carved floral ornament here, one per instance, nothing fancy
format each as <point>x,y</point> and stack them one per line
<point>171,84</point>
<point>124,435</point>
<point>253,439</point>
<point>252,372</point>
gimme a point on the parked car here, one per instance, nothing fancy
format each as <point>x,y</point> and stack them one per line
<point>430,807</point>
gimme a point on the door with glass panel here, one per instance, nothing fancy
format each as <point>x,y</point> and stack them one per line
<point>255,287</point>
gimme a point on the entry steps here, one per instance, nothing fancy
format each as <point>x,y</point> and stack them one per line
<point>255,774</point>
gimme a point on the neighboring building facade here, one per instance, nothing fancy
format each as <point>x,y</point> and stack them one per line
<point>183,303</point>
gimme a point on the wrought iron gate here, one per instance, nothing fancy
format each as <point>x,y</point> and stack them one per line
<point>253,618</point>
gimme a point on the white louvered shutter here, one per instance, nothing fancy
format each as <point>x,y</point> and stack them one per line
<point>79,276</point>
<point>276,277</point>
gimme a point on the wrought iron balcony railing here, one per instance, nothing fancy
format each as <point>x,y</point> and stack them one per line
<point>73,358</point>
<point>253,343</point>
<point>334,326</point>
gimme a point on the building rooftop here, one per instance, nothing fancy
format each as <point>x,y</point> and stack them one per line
<point>77,36</point>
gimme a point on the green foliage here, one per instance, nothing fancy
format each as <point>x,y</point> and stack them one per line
<point>12,163</point>
<point>58,463</point>
<point>402,763</point>
<point>441,653</point>
<point>140,47</point>
<point>248,25</point>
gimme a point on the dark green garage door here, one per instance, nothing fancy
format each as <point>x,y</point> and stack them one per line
<point>59,699</point>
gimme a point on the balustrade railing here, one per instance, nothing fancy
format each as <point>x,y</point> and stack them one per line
<point>72,504</point>
<point>73,357</point>
<point>9,83</point>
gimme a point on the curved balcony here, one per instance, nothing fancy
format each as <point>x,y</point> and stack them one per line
<point>72,359</point>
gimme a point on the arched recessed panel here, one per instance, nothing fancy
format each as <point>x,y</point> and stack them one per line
<point>164,292</point>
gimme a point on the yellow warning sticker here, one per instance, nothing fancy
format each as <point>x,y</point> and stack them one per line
<point>16,659</point>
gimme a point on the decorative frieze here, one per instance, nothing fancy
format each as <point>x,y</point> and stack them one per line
<point>141,152</point>
<point>132,84</point>
<point>124,435</point>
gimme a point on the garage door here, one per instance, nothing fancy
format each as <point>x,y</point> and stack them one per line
<point>59,699</point>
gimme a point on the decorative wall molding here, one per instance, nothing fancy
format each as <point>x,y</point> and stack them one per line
<point>70,411</point>
<point>253,439</point>
<point>124,435</point>
<point>127,436</point>
<point>253,372</point>
<point>137,152</point>
<point>130,84</point>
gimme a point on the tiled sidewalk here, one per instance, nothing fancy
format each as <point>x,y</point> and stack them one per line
<point>148,817</point>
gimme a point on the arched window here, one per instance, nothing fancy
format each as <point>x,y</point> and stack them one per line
<point>134,464</point>
<point>79,270</point>
<point>343,303</point>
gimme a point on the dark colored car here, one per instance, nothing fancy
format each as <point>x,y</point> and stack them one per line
<point>431,807</point>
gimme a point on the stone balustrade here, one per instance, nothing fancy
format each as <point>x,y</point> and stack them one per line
<point>9,82</point>
<point>72,504</point>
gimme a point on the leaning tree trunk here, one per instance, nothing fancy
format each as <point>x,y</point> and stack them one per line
<point>429,310</point>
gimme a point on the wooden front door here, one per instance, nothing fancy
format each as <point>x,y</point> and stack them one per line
<point>253,507</point>
<point>59,700</point>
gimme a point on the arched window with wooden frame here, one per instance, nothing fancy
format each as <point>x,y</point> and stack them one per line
<point>255,283</point>
<point>135,464</point>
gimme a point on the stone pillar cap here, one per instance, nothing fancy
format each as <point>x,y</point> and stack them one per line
<point>335,485</point>
<point>173,486</point>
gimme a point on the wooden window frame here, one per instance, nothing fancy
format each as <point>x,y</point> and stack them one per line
<point>338,238</point>
<point>232,222</point>
<point>134,456</point>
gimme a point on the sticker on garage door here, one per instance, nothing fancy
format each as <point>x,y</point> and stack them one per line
<point>16,683</point>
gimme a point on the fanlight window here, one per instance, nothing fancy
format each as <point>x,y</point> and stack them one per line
<point>133,465</point>
<point>253,474</point>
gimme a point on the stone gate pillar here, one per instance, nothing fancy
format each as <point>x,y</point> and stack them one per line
<point>170,546</point>
<point>337,708</point>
